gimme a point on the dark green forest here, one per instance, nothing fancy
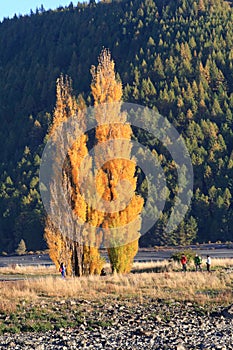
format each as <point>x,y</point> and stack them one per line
<point>175,57</point>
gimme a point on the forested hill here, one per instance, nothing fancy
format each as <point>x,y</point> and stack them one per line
<point>174,56</point>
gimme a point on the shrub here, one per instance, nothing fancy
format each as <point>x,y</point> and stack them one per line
<point>189,253</point>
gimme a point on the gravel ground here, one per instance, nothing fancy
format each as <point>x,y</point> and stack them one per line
<point>135,326</point>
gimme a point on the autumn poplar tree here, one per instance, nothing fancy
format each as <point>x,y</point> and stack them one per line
<point>115,177</point>
<point>75,247</point>
<point>60,249</point>
<point>88,223</point>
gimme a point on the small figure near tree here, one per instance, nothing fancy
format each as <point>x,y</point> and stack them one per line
<point>198,262</point>
<point>62,269</point>
<point>21,249</point>
<point>183,261</point>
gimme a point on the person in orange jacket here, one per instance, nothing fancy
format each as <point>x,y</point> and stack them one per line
<point>183,261</point>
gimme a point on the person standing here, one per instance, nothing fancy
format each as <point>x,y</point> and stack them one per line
<point>197,262</point>
<point>62,269</point>
<point>183,261</point>
<point>208,263</point>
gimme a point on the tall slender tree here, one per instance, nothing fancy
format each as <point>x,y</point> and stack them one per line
<point>116,176</point>
<point>74,247</point>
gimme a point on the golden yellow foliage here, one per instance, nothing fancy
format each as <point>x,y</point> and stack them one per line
<point>93,263</point>
<point>59,248</point>
<point>66,104</point>
<point>74,249</point>
<point>105,88</point>
<point>115,177</point>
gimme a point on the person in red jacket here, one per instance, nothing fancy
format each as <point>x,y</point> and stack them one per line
<point>183,261</point>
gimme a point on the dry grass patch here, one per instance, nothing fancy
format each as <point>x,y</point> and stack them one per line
<point>37,270</point>
<point>203,288</point>
<point>223,263</point>
<point>198,287</point>
<point>155,266</point>
<point>12,293</point>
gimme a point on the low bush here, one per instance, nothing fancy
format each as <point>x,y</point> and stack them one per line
<point>189,253</point>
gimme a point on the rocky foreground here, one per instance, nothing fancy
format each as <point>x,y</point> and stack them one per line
<point>148,324</point>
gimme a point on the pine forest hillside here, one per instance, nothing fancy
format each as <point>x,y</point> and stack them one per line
<point>173,56</point>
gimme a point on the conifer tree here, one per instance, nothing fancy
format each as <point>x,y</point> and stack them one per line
<point>113,175</point>
<point>21,249</point>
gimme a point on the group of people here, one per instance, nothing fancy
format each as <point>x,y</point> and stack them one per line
<point>197,262</point>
